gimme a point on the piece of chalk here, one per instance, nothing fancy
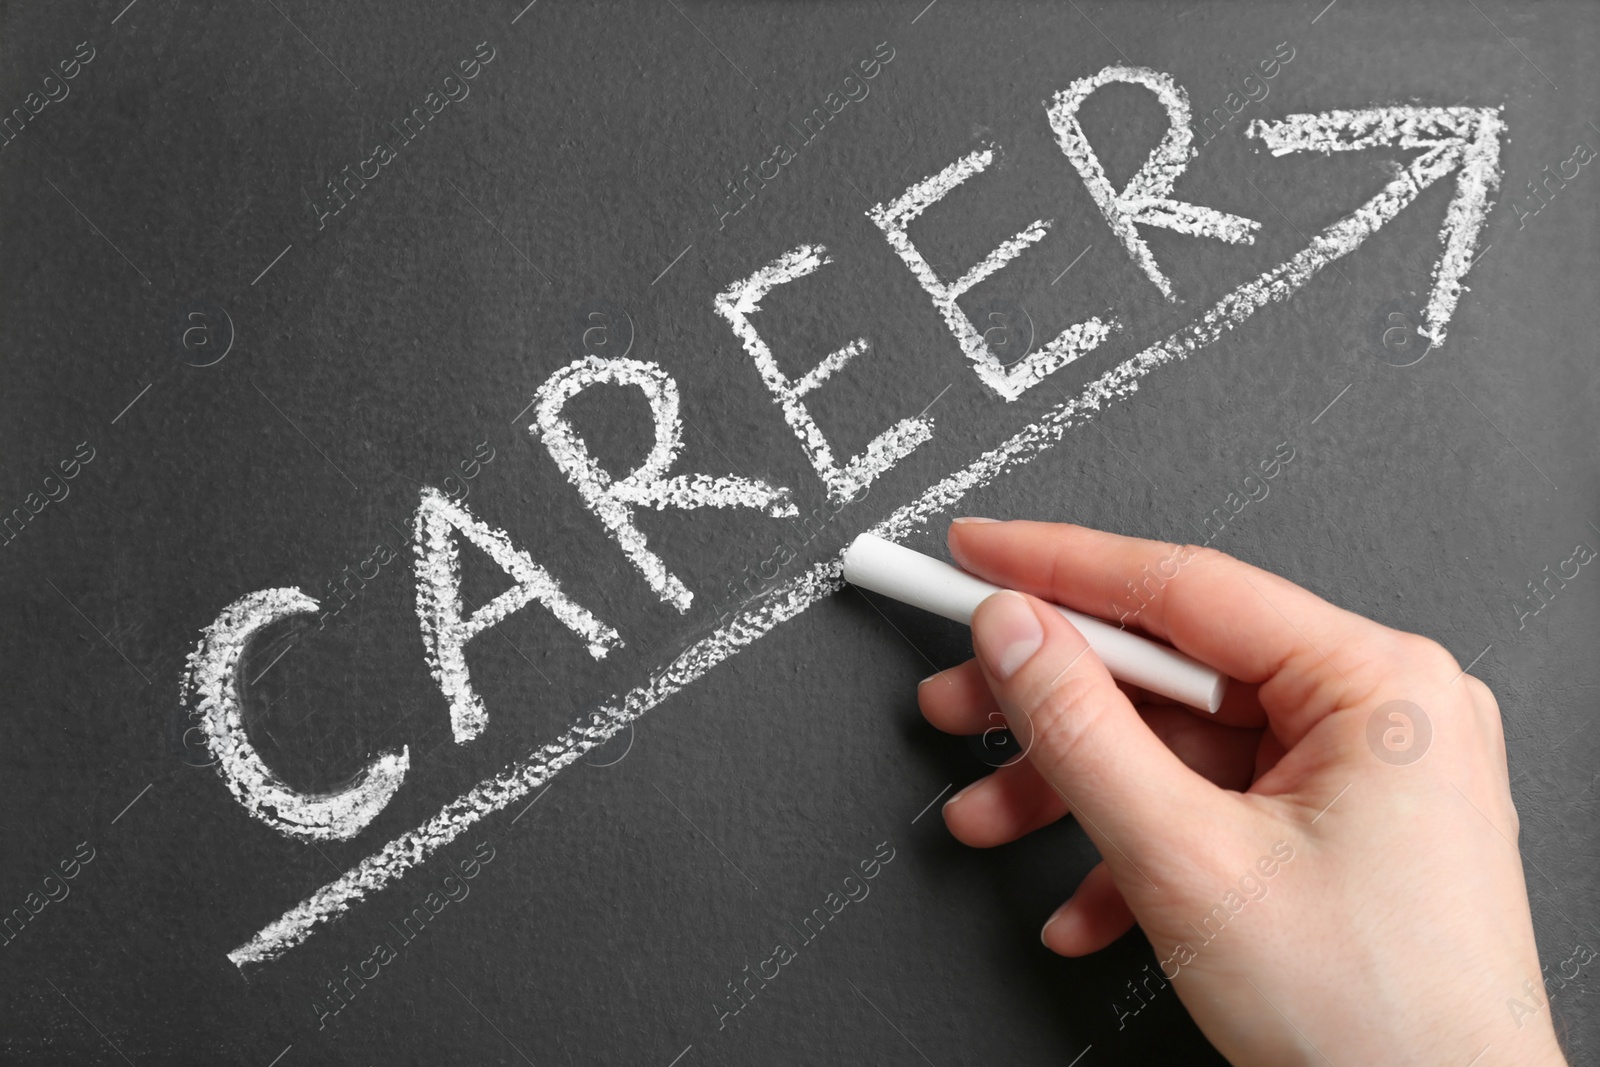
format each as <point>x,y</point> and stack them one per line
<point>933,585</point>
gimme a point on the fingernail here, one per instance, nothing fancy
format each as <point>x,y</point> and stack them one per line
<point>963,791</point>
<point>1009,635</point>
<point>1045,929</point>
<point>929,678</point>
<point>972,518</point>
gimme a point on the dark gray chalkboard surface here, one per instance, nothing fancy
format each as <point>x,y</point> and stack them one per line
<point>303,302</point>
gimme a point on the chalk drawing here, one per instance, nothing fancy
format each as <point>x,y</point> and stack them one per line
<point>1145,200</point>
<point>613,502</point>
<point>445,633</point>
<point>1465,139</point>
<point>394,859</point>
<point>212,688</point>
<point>743,299</point>
<point>1011,382</point>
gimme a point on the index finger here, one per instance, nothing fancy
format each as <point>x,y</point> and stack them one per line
<point>1249,623</point>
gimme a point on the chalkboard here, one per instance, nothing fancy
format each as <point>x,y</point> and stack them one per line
<point>431,431</point>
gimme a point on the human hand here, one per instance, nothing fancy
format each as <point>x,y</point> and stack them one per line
<point>1312,895</point>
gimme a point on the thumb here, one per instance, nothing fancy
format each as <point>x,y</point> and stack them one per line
<point>1133,796</point>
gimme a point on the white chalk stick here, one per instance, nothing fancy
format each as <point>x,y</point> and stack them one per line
<point>933,585</point>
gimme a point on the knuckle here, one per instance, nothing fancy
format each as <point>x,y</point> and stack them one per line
<point>1481,694</point>
<point>1427,655</point>
<point>1065,713</point>
<point>1203,555</point>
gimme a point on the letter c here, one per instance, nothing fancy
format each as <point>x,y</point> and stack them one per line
<point>211,690</point>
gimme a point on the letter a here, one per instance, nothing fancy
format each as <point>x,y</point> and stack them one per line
<point>445,633</point>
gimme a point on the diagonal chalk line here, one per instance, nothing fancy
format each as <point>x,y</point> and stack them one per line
<point>595,728</point>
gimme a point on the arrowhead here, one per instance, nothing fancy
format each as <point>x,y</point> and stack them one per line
<point>1464,139</point>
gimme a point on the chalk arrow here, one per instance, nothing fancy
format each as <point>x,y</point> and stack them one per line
<point>1461,139</point>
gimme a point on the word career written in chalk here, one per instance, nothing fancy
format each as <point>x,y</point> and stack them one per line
<point>1463,142</point>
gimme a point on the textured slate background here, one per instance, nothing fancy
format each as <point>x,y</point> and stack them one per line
<point>380,349</point>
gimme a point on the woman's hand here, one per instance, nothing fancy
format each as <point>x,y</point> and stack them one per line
<point>1327,868</point>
